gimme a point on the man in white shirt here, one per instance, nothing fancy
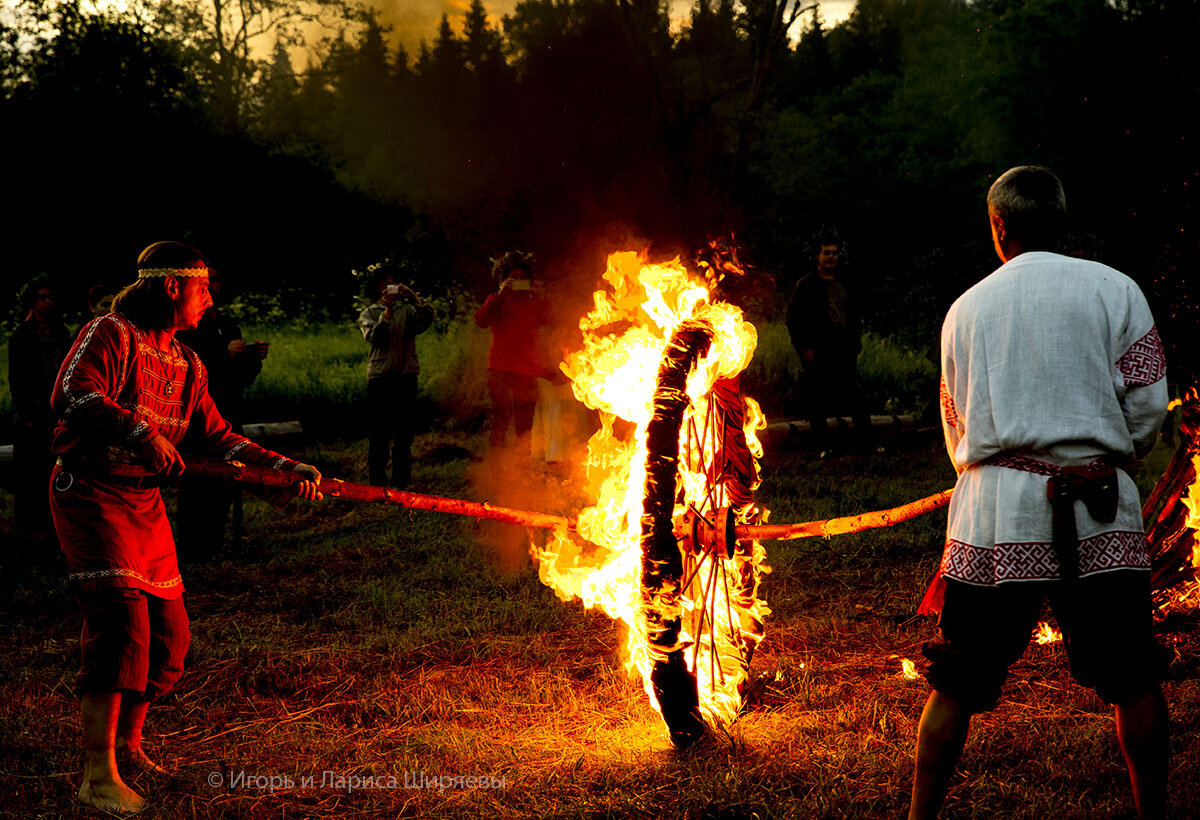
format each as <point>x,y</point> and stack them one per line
<point>1053,386</point>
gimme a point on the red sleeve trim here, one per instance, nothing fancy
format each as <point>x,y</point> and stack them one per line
<point>949,411</point>
<point>1144,362</point>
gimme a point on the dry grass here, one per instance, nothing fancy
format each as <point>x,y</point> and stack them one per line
<point>368,643</point>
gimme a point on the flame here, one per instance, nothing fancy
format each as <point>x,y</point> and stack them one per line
<point>1045,634</point>
<point>1191,497</point>
<point>625,336</point>
<point>1192,502</point>
<point>908,669</point>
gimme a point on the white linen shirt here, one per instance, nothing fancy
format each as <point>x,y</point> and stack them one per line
<point>1050,361</point>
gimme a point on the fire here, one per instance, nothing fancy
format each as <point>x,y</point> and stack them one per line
<point>625,336</point>
<point>908,670</point>
<point>1045,634</point>
<point>1191,497</point>
<point>1192,502</point>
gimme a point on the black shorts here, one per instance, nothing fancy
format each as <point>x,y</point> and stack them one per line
<point>1107,625</point>
<point>132,641</point>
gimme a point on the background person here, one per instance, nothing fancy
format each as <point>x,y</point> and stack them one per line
<point>35,351</point>
<point>99,300</point>
<point>232,367</point>
<point>827,333</point>
<point>124,396</point>
<point>391,326</point>
<point>513,313</point>
<point>1052,373</point>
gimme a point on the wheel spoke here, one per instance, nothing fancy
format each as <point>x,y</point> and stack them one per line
<point>714,667</point>
<point>734,632</point>
<point>709,587</point>
<point>699,563</point>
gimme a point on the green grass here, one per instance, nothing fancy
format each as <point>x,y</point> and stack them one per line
<point>893,378</point>
<point>371,641</point>
<point>316,373</point>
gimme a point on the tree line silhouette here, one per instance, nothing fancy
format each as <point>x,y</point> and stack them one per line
<point>571,123</point>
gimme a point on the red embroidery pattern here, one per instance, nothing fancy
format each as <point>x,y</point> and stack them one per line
<point>1036,561</point>
<point>949,412</point>
<point>1144,362</point>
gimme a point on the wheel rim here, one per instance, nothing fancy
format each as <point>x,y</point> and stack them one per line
<point>699,586</point>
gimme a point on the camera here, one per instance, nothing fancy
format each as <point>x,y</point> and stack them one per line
<point>521,284</point>
<point>393,289</point>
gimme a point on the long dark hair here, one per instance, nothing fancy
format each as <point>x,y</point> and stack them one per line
<point>145,302</point>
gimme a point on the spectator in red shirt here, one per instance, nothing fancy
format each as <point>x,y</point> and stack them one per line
<point>514,313</point>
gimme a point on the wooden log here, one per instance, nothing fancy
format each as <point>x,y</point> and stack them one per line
<point>1172,541</point>
<point>271,429</point>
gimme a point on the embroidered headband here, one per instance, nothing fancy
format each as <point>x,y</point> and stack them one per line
<point>150,273</point>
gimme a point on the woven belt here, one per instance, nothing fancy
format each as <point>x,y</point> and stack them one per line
<point>83,471</point>
<point>1094,484</point>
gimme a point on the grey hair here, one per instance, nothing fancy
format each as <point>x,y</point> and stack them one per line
<point>1027,189</point>
<point>1032,202</point>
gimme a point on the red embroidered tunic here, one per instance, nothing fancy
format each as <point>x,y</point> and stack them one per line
<point>115,390</point>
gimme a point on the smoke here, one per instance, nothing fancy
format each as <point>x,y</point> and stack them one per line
<point>509,476</point>
<point>545,472</point>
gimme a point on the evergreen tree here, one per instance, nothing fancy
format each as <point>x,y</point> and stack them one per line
<point>481,41</point>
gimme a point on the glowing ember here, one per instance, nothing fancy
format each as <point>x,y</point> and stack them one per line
<point>1045,634</point>
<point>625,337</point>
<point>909,670</point>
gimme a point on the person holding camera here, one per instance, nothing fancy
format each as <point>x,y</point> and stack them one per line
<point>390,326</point>
<point>514,313</point>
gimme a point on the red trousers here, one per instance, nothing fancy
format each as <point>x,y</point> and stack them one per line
<point>132,642</point>
<point>514,398</point>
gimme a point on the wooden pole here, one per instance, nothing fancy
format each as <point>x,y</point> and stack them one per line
<point>247,475</point>
<point>848,524</point>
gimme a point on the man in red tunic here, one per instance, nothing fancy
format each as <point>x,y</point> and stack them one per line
<point>124,397</point>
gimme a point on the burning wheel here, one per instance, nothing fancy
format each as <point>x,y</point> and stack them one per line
<point>699,583</point>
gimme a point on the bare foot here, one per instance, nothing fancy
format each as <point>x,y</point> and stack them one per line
<point>111,796</point>
<point>138,759</point>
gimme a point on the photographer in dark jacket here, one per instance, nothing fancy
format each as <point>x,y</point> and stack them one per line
<point>391,326</point>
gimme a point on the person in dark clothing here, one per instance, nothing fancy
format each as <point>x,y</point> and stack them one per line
<point>99,300</point>
<point>390,326</point>
<point>232,367</point>
<point>827,334</point>
<point>35,352</point>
